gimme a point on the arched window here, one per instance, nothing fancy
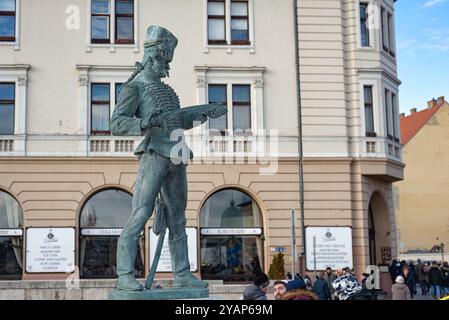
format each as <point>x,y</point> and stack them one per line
<point>11,237</point>
<point>231,237</point>
<point>102,219</point>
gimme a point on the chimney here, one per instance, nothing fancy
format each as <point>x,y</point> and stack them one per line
<point>431,103</point>
<point>402,115</point>
<point>412,111</point>
<point>440,100</point>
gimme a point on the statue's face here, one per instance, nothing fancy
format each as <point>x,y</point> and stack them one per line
<point>161,61</point>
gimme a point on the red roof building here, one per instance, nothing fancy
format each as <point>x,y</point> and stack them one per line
<point>410,125</point>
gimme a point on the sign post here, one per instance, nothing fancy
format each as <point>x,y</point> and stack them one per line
<point>293,243</point>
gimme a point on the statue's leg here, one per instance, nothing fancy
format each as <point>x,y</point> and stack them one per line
<point>152,172</point>
<point>174,194</point>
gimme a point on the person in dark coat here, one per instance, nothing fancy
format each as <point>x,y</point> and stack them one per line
<point>435,279</point>
<point>422,277</point>
<point>329,277</point>
<point>257,291</point>
<point>296,290</point>
<point>409,279</point>
<point>321,288</point>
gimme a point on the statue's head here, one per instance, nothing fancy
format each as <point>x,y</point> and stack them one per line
<point>160,47</point>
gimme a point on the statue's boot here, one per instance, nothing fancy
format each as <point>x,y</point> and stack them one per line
<point>181,266</point>
<point>129,283</point>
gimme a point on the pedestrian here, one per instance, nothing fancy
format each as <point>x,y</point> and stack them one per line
<point>346,286</point>
<point>400,290</point>
<point>422,277</point>
<point>279,288</point>
<point>329,277</point>
<point>296,290</point>
<point>308,282</point>
<point>408,278</point>
<point>445,284</point>
<point>289,276</point>
<point>321,288</point>
<point>258,290</point>
<point>435,280</point>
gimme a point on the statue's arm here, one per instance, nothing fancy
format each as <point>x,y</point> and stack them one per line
<point>200,113</point>
<point>123,121</point>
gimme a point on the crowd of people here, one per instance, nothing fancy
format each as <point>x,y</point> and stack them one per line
<point>430,277</point>
<point>328,285</point>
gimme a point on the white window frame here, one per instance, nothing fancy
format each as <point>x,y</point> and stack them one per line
<point>230,76</point>
<point>15,43</point>
<point>17,74</point>
<point>395,122</point>
<point>229,47</point>
<point>372,33</point>
<point>377,114</point>
<point>98,74</point>
<point>112,46</point>
<point>390,37</point>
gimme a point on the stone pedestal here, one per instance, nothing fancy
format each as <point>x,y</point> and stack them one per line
<point>160,294</point>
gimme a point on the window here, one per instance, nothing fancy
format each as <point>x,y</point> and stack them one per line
<point>8,20</point>
<point>218,94</point>
<point>11,240</point>
<point>121,20</point>
<point>390,34</point>
<point>239,22</point>
<point>216,22</point>
<point>394,115</point>
<point>387,28</point>
<point>369,114</point>
<point>241,112</point>
<point>100,108</point>
<point>102,218</point>
<point>240,118</point>
<point>124,21</point>
<point>7,106</point>
<point>388,112</point>
<point>225,255</point>
<point>364,31</point>
<point>228,26</point>
<point>101,15</point>
<point>118,86</point>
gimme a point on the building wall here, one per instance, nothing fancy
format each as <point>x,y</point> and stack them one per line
<point>423,195</point>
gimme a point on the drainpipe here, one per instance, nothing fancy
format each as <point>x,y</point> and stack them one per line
<point>300,144</point>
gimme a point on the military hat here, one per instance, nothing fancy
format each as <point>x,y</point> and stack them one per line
<point>157,35</point>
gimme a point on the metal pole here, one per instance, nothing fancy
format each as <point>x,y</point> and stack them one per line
<point>293,249</point>
<point>300,135</point>
<point>314,258</point>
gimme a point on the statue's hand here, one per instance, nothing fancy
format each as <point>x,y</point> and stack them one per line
<point>217,111</point>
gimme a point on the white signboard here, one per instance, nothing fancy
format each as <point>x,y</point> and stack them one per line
<point>333,247</point>
<point>231,231</point>
<point>11,232</point>
<point>50,250</point>
<point>165,260</point>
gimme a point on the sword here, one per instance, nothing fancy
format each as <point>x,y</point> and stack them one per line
<point>159,229</point>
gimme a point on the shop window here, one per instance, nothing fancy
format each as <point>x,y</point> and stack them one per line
<point>231,237</point>
<point>102,219</point>
<point>11,238</point>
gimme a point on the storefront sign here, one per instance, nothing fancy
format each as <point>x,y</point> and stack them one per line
<point>50,250</point>
<point>103,232</point>
<point>235,231</point>
<point>333,248</point>
<point>165,260</point>
<point>11,232</point>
